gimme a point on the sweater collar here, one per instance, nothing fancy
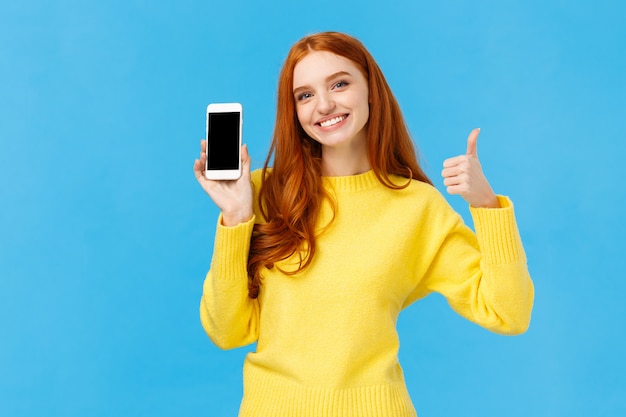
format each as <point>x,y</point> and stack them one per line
<point>357,182</point>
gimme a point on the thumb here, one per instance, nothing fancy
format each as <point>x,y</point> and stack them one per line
<point>471,143</point>
<point>245,158</point>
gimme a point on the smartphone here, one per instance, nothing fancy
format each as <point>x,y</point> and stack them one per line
<point>224,124</point>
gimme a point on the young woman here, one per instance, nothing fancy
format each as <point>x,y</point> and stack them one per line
<point>315,257</point>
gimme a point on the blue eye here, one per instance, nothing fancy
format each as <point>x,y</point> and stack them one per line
<point>340,84</point>
<point>304,96</point>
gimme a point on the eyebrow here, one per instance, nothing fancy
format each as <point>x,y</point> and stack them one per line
<point>330,77</point>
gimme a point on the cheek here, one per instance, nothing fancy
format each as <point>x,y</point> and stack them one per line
<point>303,118</point>
<point>300,114</point>
<point>362,103</point>
<point>366,112</point>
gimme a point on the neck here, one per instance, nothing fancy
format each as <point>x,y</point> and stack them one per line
<point>344,162</point>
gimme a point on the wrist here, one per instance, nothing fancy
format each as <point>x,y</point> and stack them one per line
<point>489,202</point>
<point>234,219</point>
<point>493,203</point>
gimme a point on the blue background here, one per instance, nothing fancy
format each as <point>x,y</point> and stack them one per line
<point>105,236</point>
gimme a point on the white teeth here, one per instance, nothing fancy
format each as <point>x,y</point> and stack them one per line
<point>332,121</point>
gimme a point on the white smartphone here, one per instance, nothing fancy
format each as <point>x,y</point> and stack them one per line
<point>224,124</point>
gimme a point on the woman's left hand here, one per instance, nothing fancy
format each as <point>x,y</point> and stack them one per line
<point>463,175</point>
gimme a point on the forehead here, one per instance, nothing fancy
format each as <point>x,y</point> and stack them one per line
<point>318,65</point>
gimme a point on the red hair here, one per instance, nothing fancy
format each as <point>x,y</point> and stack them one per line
<point>291,192</point>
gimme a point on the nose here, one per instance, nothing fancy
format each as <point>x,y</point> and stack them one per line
<point>325,103</point>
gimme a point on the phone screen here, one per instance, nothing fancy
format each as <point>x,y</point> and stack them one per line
<point>223,141</point>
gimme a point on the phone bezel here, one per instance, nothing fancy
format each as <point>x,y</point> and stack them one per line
<point>224,174</point>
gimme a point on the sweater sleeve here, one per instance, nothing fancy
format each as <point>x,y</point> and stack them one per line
<point>228,315</point>
<point>483,275</point>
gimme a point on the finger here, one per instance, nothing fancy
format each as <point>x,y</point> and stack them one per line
<point>452,189</point>
<point>454,161</point>
<point>245,155</point>
<point>198,169</point>
<point>245,159</point>
<point>471,143</point>
<point>450,181</point>
<point>453,171</point>
<point>457,189</point>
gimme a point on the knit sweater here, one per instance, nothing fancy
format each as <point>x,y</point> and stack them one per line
<point>326,337</point>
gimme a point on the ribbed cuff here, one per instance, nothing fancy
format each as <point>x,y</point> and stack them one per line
<point>231,245</point>
<point>497,233</point>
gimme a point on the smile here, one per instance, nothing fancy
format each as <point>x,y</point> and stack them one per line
<point>333,121</point>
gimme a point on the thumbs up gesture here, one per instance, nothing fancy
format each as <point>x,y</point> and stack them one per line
<point>463,175</point>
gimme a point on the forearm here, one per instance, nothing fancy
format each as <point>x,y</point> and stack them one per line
<point>483,275</point>
<point>505,283</point>
<point>228,315</point>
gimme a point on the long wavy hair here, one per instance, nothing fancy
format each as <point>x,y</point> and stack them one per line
<point>291,192</point>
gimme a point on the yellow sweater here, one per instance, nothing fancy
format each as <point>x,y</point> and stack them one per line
<point>326,338</point>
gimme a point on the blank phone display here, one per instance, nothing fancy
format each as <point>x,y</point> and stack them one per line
<point>223,141</point>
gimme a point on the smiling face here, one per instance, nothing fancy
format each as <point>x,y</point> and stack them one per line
<point>332,102</point>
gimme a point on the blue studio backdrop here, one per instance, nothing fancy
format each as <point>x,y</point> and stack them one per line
<point>105,236</point>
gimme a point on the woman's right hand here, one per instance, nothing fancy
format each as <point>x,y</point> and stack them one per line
<point>232,197</point>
